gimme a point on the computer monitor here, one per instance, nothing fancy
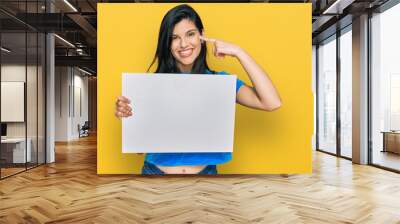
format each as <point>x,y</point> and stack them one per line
<point>3,129</point>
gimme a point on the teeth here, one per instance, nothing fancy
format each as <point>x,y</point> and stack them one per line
<point>186,52</point>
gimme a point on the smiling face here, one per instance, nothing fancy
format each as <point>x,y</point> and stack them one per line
<point>186,44</point>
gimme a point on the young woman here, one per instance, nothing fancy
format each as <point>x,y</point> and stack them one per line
<point>182,49</point>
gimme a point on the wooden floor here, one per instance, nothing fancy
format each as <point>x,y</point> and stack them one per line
<point>5,172</point>
<point>70,191</point>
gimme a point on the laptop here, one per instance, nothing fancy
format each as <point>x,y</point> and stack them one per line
<point>179,113</point>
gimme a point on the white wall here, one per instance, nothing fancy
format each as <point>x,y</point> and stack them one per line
<point>61,103</point>
<point>16,73</point>
<point>81,84</point>
<point>71,93</point>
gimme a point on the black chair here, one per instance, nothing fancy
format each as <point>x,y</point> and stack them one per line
<point>84,130</point>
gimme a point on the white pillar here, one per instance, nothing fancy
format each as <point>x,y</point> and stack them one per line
<point>360,89</point>
<point>50,93</point>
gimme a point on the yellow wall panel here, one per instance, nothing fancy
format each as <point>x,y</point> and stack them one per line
<point>277,36</point>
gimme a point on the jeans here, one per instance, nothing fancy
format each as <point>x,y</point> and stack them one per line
<point>151,169</point>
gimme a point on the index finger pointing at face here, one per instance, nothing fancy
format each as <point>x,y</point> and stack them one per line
<point>124,99</point>
<point>208,39</point>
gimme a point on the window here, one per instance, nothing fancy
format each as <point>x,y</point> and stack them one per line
<point>346,93</point>
<point>385,88</point>
<point>327,95</point>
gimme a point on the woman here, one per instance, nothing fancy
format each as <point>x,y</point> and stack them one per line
<point>182,49</point>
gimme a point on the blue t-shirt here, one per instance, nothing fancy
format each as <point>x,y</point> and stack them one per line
<point>195,158</point>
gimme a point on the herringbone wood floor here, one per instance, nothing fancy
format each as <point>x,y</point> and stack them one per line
<point>70,191</point>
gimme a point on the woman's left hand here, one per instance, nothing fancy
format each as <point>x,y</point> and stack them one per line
<point>263,95</point>
<point>222,48</point>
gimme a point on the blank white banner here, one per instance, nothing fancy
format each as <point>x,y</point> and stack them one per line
<point>179,113</point>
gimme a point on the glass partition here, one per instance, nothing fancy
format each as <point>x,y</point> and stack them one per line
<point>14,154</point>
<point>327,95</point>
<point>41,87</point>
<point>385,89</point>
<point>346,93</point>
<point>22,88</point>
<point>32,95</point>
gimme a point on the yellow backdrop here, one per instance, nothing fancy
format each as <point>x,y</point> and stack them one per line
<point>278,36</point>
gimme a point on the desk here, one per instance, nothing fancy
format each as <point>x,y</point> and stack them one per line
<point>391,141</point>
<point>17,150</point>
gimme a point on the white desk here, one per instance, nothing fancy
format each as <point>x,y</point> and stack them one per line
<point>19,149</point>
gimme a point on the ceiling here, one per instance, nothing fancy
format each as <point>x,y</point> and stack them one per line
<point>76,22</point>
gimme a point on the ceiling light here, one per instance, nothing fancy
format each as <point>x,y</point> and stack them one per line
<point>64,40</point>
<point>5,50</point>
<point>84,71</point>
<point>338,6</point>
<point>70,5</point>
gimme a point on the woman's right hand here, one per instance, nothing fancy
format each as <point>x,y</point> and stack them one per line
<point>122,107</point>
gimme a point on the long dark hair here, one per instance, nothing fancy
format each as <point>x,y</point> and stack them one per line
<point>164,57</point>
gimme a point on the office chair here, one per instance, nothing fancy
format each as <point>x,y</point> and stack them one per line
<point>84,130</point>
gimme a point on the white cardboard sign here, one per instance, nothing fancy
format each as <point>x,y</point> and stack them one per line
<point>179,113</point>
